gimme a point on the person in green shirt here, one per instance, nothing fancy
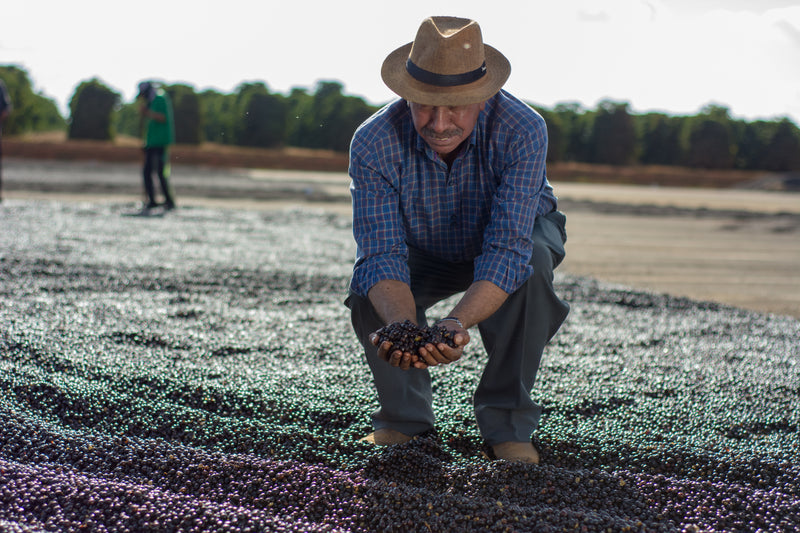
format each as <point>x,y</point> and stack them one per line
<point>5,110</point>
<point>5,103</point>
<point>156,112</point>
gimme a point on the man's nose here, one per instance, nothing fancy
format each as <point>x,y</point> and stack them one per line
<point>440,119</point>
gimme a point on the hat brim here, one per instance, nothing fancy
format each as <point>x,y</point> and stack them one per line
<point>397,78</point>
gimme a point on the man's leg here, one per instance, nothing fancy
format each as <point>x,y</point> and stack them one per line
<point>515,337</point>
<point>1,163</point>
<point>405,395</point>
<point>163,176</point>
<point>147,174</point>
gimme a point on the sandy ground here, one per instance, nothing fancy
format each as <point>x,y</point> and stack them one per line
<point>738,247</point>
<point>750,265</point>
<point>742,255</point>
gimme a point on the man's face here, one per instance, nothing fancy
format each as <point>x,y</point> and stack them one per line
<point>445,128</point>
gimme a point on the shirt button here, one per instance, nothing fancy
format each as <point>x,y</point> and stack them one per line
<point>453,219</point>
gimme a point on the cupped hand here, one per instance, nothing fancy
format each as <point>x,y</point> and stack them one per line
<point>429,355</point>
<point>398,358</point>
<point>442,354</point>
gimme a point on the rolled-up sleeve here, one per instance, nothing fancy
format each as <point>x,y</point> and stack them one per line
<point>508,239</point>
<point>382,253</point>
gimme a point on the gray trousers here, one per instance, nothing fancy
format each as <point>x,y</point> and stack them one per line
<point>514,338</point>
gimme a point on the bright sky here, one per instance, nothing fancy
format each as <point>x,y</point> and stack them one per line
<point>659,55</point>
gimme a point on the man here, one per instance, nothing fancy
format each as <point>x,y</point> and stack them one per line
<point>450,196</point>
<point>156,112</point>
<point>5,110</point>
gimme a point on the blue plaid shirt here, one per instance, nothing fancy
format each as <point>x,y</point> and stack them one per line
<point>481,210</point>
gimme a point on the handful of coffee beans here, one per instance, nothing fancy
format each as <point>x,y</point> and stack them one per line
<point>409,337</point>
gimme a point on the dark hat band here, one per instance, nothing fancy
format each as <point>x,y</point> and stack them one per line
<point>444,80</point>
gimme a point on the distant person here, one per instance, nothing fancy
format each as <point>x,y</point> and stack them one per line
<point>156,113</point>
<point>450,196</point>
<point>5,110</point>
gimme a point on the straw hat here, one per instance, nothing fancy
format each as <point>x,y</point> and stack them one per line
<point>446,65</point>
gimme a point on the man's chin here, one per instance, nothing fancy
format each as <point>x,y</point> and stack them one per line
<point>442,146</point>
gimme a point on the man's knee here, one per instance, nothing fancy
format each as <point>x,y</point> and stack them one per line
<point>543,261</point>
<point>363,316</point>
<point>549,238</point>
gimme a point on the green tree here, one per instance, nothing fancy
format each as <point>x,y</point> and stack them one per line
<point>751,139</point>
<point>300,117</point>
<point>91,110</point>
<point>33,112</point>
<point>575,123</point>
<point>556,141</point>
<point>659,139</point>
<point>709,145</point>
<point>219,116</point>
<point>265,120</point>
<point>262,116</point>
<point>613,135</point>
<point>186,113</point>
<point>782,153</point>
<point>127,120</point>
<point>710,139</point>
<point>326,120</point>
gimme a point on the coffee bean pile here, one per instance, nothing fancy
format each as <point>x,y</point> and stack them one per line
<point>195,373</point>
<point>409,337</point>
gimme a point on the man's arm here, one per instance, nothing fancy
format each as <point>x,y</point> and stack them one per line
<point>393,301</point>
<point>158,117</point>
<point>154,110</point>
<point>380,265</point>
<point>153,115</point>
<point>479,302</point>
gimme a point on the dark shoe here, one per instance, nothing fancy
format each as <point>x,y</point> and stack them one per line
<point>386,437</point>
<point>520,452</point>
<point>169,206</point>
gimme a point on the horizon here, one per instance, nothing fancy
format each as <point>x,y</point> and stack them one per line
<point>737,54</point>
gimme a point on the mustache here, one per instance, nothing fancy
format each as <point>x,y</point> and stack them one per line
<point>440,136</point>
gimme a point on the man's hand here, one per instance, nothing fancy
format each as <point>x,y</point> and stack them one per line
<point>397,358</point>
<point>442,354</point>
<point>429,354</point>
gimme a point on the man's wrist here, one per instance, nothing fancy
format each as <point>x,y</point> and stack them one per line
<point>452,319</point>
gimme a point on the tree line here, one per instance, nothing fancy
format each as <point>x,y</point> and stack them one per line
<point>712,139</point>
<point>326,119</point>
